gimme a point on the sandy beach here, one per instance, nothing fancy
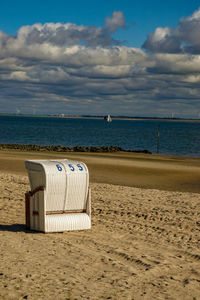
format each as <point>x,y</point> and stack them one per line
<point>145,236</point>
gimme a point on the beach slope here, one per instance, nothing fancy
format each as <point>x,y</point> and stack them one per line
<point>121,168</point>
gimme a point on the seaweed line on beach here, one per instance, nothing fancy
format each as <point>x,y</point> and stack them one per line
<point>60,148</point>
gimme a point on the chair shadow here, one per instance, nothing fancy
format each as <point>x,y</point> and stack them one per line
<point>15,228</point>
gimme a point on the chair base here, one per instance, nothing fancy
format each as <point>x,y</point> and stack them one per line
<point>67,222</point>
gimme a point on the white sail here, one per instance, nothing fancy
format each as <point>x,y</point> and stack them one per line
<point>108,118</point>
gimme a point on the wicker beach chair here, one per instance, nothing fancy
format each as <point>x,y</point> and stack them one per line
<point>60,198</point>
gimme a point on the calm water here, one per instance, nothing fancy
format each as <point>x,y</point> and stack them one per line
<point>176,138</point>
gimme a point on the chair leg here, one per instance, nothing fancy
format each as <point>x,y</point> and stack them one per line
<point>27,209</point>
<point>88,208</point>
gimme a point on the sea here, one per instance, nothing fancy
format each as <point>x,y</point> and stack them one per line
<point>170,137</point>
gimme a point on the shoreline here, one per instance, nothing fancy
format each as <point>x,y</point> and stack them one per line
<point>86,149</point>
<point>61,148</point>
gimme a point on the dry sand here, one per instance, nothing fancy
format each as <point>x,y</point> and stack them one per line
<point>144,243</point>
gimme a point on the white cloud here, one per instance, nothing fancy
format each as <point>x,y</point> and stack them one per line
<point>160,34</point>
<point>19,75</point>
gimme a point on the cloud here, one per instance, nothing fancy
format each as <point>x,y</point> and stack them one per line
<point>184,38</point>
<point>70,34</point>
<point>180,64</point>
<point>115,22</point>
<point>55,67</point>
<point>163,40</point>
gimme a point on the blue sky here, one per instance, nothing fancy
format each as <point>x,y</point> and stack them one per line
<point>92,57</point>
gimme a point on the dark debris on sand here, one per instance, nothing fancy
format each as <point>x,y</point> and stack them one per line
<point>77,148</point>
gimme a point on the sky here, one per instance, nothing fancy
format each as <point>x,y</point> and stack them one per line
<point>122,57</point>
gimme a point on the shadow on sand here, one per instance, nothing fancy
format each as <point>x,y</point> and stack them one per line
<point>15,228</point>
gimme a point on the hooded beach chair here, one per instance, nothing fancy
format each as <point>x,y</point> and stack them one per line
<point>60,198</point>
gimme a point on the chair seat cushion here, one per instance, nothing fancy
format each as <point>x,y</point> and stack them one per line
<point>67,222</point>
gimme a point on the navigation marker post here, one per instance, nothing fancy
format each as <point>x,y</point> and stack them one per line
<point>158,139</point>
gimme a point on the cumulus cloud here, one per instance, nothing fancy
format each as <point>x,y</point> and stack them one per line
<point>70,34</point>
<point>184,38</point>
<point>163,40</point>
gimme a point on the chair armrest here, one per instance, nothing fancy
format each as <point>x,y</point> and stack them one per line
<point>37,189</point>
<point>28,195</point>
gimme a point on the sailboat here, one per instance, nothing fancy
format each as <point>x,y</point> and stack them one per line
<point>108,118</point>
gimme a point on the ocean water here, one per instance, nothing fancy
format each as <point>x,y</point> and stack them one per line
<point>180,138</point>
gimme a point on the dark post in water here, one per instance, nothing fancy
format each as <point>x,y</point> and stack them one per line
<point>158,139</point>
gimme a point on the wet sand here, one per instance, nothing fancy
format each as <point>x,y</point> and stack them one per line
<point>145,236</point>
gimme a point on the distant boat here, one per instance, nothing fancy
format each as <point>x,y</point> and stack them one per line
<point>108,118</point>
